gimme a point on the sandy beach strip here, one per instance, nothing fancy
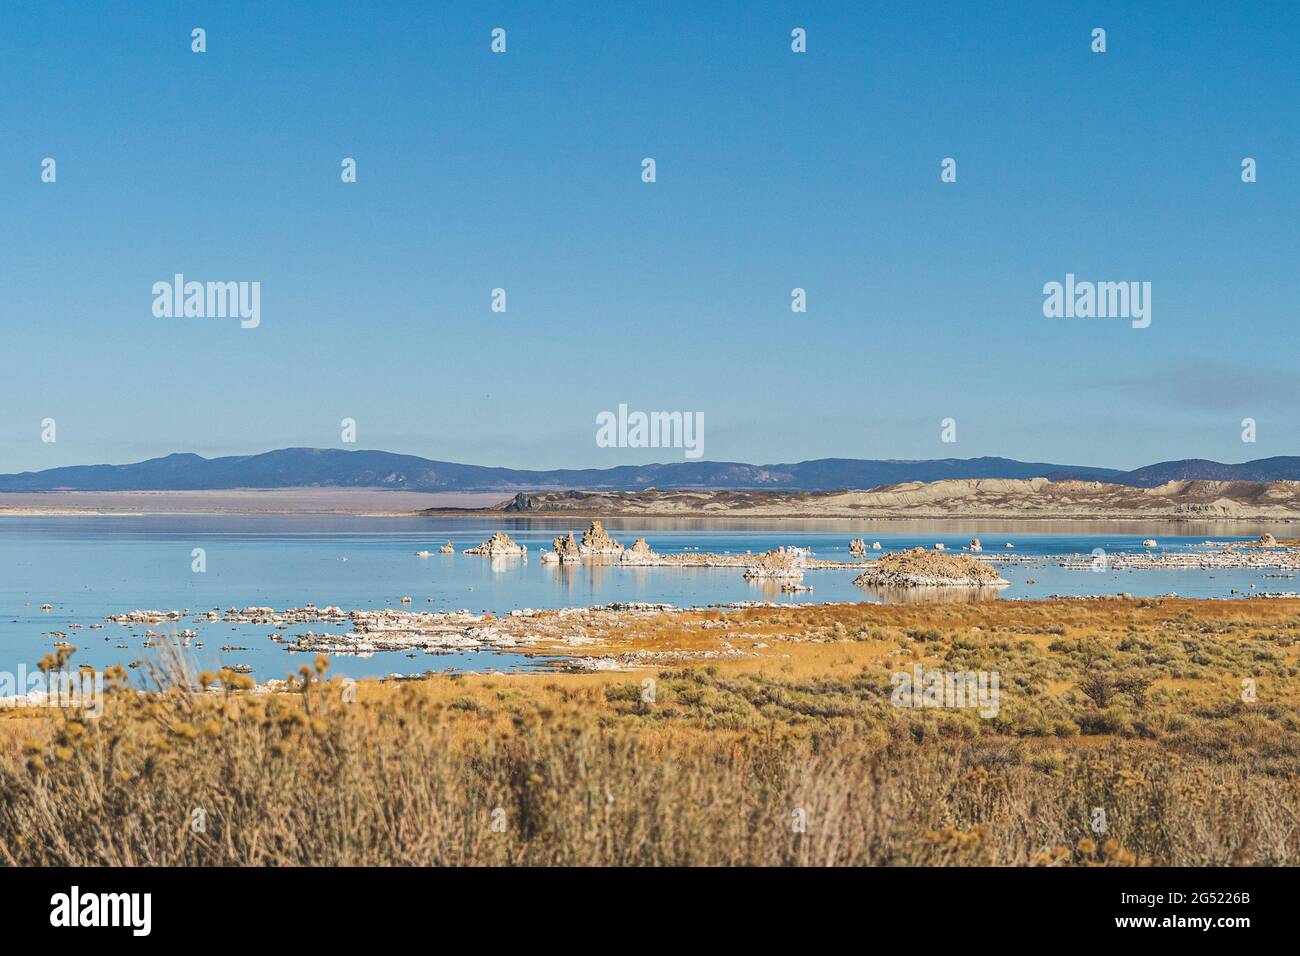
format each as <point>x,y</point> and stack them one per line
<point>283,501</point>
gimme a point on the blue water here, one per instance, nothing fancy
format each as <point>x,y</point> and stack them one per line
<point>88,567</point>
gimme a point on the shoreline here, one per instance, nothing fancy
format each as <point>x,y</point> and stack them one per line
<point>1098,702</point>
<point>968,519</point>
<point>908,516</point>
<point>630,636</point>
<point>247,502</point>
<point>835,510</point>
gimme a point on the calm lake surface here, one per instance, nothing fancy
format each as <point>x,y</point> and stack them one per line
<point>91,566</point>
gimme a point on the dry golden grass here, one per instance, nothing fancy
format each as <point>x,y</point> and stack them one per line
<point>726,761</point>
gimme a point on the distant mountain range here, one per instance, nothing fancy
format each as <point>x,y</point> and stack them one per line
<point>335,468</point>
<point>1282,468</point>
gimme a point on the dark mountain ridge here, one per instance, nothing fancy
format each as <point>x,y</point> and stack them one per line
<point>336,468</point>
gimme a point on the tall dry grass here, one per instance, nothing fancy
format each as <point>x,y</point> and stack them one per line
<point>308,778</point>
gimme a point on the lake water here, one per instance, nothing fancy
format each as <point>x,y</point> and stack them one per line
<point>88,567</point>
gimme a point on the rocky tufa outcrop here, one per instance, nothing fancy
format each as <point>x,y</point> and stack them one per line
<point>781,563</point>
<point>919,568</point>
<point>639,553</point>
<point>857,548</point>
<point>564,550</point>
<point>497,546</point>
<point>596,540</point>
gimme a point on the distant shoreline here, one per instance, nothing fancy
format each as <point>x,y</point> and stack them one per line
<point>906,506</point>
<point>866,521</point>
<point>347,504</point>
<point>246,502</point>
<point>1035,499</point>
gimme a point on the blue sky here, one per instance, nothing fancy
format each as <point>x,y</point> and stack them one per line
<point>775,170</point>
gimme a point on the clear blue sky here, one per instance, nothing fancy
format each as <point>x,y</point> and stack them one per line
<point>775,170</point>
